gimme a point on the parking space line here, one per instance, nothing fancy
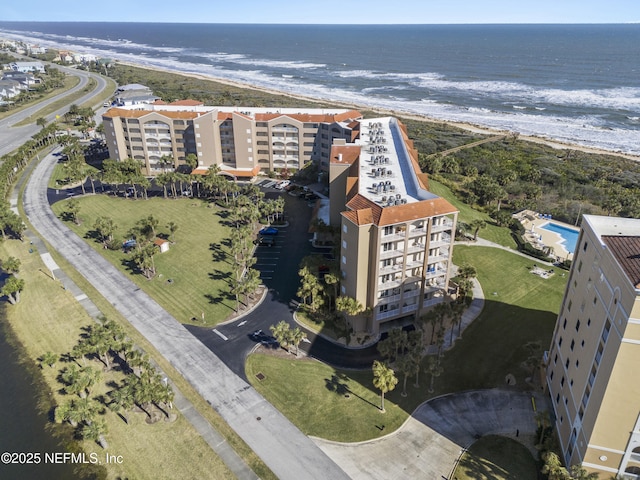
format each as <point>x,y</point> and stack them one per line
<point>220,334</point>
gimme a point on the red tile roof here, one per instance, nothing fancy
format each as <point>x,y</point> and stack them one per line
<point>626,250</point>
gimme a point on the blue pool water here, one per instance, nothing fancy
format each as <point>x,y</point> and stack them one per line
<point>569,236</point>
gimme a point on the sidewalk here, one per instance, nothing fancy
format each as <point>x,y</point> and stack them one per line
<point>216,441</point>
<point>285,450</point>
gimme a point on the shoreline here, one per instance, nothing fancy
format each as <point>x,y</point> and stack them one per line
<point>480,129</point>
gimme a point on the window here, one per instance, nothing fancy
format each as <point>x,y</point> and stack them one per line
<point>573,344</point>
<point>569,305</point>
<point>577,363</point>
<point>584,247</point>
<point>558,398</point>
<point>564,324</point>
<point>555,359</point>
<point>578,325</point>
<point>344,228</point>
<point>551,376</point>
<point>344,244</point>
<point>566,364</point>
<point>344,259</point>
<point>562,382</point>
<point>560,342</point>
<point>580,266</point>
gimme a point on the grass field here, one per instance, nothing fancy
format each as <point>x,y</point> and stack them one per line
<point>519,308</point>
<point>322,401</point>
<point>493,233</point>
<point>189,282</point>
<point>523,310</point>
<point>496,458</point>
<point>161,450</point>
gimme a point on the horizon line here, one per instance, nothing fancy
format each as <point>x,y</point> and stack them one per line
<point>635,22</point>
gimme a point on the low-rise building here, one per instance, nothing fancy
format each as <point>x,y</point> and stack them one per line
<point>246,140</point>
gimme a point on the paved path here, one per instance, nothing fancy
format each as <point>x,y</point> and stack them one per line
<point>430,443</point>
<point>285,450</point>
<point>210,435</point>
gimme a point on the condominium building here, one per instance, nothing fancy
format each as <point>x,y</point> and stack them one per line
<point>396,236</point>
<point>242,142</point>
<point>593,359</point>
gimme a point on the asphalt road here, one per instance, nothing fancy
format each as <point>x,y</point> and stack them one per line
<point>288,452</point>
<point>279,267</point>
<point>12,137</point>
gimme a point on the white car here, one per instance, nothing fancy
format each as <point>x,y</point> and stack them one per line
<point>283,184</point>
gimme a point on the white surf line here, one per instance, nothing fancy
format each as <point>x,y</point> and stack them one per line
<point>220,334</point>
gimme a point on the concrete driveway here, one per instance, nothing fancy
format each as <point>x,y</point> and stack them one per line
<point>429,444</point>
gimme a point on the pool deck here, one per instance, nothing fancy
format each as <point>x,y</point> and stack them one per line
<point>541,238</point>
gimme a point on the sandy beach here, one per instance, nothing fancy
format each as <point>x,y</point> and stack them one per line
<point>480,129</point>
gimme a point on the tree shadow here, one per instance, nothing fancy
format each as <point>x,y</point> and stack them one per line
<point>221,300</point>
<point>219,254</point>
<point>337,383</point>
<point>219,275</point>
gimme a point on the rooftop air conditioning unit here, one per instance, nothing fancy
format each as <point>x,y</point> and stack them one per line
<point>384,198</point>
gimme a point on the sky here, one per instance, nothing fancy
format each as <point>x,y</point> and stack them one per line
<point>326,11</point>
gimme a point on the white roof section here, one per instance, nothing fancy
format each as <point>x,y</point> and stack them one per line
<point>247,111</point>
<point>610,226</point>
<point>387,175</point>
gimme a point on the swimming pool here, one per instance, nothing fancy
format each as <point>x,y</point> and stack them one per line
<point>569,235</point>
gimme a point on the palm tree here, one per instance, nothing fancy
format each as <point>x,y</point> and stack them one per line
<point>49,358</point>
<point>384,379</point>
<point>63,413</point>
<point>173,228</point>
<point>11,265</point>
<point>73,207</point>
<point>282,333</point>
<point>553,467</point>
<point>95,431</point>
<point>466,271</point>
<point>297,336</point>
<point>477,224</point>
<point>41,122</point>
<point>12,288</point>
<point>121,401</point>
<point>435,369</point>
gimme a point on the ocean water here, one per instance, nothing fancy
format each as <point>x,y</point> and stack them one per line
<point>573,83</point>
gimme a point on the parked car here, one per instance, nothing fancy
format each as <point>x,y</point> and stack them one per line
<point>268,231</point>
<point>265,241</point>
<point>263,338</point>
<point>283,184</point>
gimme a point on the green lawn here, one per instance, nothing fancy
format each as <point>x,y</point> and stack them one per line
<point>189,282</point>
<point>496,458</point>
<point>523,310</point>
<point>50,319</point>
<point>519,307</point>
<point>322,401</point>
<point>493,233</point>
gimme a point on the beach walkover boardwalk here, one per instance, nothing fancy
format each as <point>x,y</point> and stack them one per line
<point>287,452</point>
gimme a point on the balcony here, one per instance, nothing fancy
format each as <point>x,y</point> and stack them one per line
<point>411,293</point>
<point>393,237</point>
<point>410,308</point>
<point>391,253</point>
<point>442,226</point>
<point>416,247</point>
<point>438,272</point>
<point>387,314</point>
<point>398,267</point>
<point>388,299</point>
<point>444,241</point>
<point>417,231</point>
<point>389,284</point>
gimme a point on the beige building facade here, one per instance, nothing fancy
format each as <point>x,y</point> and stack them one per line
<point>242,142</point>
<point>592,364</point>
<point>396,236</point>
